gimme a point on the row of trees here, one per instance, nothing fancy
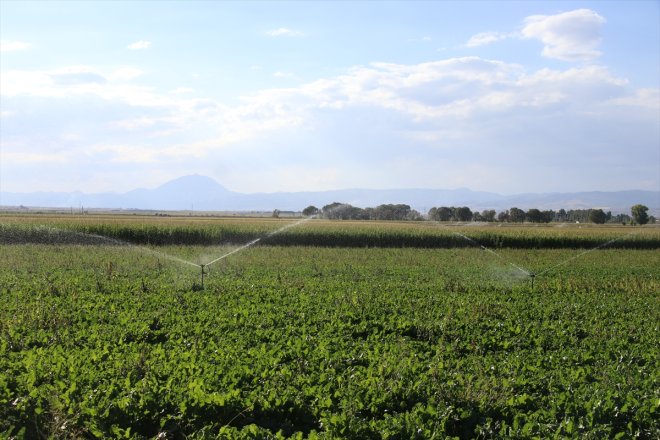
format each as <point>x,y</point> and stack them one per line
<point>533,215</point>
<point>344,211</point>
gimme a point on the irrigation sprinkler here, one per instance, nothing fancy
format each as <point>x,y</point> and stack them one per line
<point>245,246</point>
<point>486,249</point>
<point>533,275</point>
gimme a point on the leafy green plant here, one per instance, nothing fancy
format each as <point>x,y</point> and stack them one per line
<point>106,341</point>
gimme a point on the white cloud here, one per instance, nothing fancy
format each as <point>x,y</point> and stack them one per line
<point>126,153</point>
<point>12,46</point>
<point>284,32</point>
<point>433,91</point>
<point>142,153</point>
<point>124,74</point>
<point>182,90</point>
<point>141,44</point>
<point>465,107</point>
<point>441,118</point>
<point>569,36</point>
<point>22,82</point>
<point>72,81</point>
<point>649,98</point>
<point>425,39</point>
<point>66,81</point>
<point>76,75</point>
<point>484,38</point>
<point>279,74</point>
<point>36,157</point>
<point>137,123</point>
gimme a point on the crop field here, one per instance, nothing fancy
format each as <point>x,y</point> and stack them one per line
<point>358,330</point>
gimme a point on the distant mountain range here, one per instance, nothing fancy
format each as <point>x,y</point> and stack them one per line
<point>202,193</point>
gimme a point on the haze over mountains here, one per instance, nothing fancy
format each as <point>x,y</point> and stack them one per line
<point>202,193</point>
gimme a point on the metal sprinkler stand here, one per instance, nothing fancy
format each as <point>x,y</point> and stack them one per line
<point>532,275</point>
<point>202,267</point>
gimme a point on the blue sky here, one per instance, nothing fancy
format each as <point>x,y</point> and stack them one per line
<point>290,96</point>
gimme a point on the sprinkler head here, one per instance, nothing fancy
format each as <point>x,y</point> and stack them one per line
<point>202,283</point>
<point>532,275</point>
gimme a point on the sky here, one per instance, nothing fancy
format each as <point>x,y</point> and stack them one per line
<point>510,97</point>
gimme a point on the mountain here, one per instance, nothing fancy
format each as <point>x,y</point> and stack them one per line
<point>615,201</point>
<point>187,192</point>
<point>202,193</point>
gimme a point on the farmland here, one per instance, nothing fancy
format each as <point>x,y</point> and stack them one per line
<point>326,330</point>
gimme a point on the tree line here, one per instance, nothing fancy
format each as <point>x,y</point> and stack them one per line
<point>345,211</point>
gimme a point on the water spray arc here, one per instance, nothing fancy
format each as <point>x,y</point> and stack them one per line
<point>238,249</point>
<point>249,244</point>
<point>525,272</point>
<point>204,268</point>
<point>600,246</point>
<point>533,275</point>
<point>95,238</point>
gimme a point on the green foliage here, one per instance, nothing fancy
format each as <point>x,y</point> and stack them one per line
<point>213,232</point>
<point>312,342</point>
<point>597,216</point>
<point>534,215</point>
<point>460,214</point>
<point>517,215</point>
<point>639,214</point>
<point>310,211</point>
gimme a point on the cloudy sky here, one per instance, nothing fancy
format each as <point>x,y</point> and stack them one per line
<point>508,97</point>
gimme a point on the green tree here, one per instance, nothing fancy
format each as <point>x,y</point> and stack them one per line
<point>463,214</point>
<point>534,215</point>
<point>488,215</point>
<point>344,211</point>
<point>639,214</point>
<point>355,213</point>
<point>392,212</point>
<point>331,210</point>
<point>621,218</point>
<point>441,214</point>
<point>310,211</point>
<point>562,216</point>
<point>547,216</point>
<point>597,216</point>
<point>503,216</point>
<point>516,215</point>
<point>414,215</point>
